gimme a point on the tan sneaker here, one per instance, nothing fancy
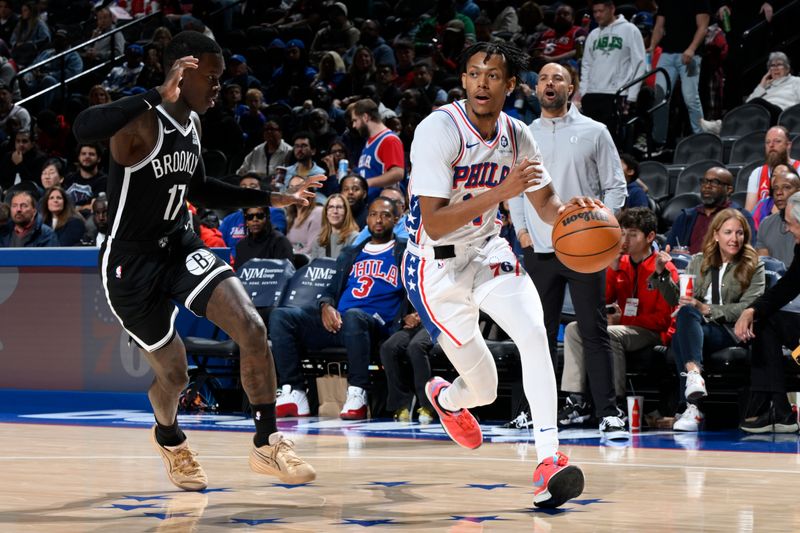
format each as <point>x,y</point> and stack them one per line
<point>182,468</point>
<point>279,459</point>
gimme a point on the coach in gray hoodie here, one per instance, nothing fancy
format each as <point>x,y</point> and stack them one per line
<point>613,56</point>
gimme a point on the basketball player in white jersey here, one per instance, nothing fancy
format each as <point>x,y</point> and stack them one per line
<point>467,157</point>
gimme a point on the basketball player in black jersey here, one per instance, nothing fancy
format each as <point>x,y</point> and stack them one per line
<point>152,257</point>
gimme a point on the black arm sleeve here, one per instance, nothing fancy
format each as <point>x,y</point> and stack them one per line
<point>98,123</point>
<point>212,193</point>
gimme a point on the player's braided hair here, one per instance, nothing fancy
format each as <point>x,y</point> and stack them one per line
<point>515,59</point>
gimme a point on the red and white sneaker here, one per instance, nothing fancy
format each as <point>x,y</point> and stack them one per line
<point>291,402</point>
<point>355,408</point>
<point>555,482</point>
<point>460,426</point>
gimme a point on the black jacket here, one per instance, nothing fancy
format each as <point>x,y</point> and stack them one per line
<point>783,292</point>
<point>270,244</point>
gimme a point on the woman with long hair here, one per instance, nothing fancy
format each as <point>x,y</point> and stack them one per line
<point>338,229</point>
<point>29,35</point>
<point>98,95</point>
<point>728,277</point>
<point>331,71</point>
<point>361,73</point>
<point>59,213</point>
<point>303,223</point>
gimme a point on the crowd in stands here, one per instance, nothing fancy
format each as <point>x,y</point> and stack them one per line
<point>316,87</point>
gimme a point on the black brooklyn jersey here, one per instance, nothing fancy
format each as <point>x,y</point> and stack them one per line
<point>148,200</point>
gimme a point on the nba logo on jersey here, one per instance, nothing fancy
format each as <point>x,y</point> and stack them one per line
<point>118,272</point>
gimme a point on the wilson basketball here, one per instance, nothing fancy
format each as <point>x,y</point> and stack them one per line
<point>586,239</point>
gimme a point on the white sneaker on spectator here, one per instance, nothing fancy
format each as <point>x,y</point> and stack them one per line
<point>690,420</point>
<point>355,408</point>
<point>711,126</point>
<point>695,385</point>
<point>291,402</point>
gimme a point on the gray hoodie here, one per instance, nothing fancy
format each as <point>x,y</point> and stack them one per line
<point>582,160</point>
<point>612,57</point>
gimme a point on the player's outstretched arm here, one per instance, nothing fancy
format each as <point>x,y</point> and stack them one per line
<point>441,218</point>
<point>126,122</point>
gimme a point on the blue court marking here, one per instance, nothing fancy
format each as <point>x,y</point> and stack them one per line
<point>132,410</point>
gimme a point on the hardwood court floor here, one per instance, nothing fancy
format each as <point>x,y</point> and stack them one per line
<point>57,478</point>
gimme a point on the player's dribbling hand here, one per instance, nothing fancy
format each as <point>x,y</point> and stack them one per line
<point>525,174</point>
<point>170,90</point>
<point>581,201</point>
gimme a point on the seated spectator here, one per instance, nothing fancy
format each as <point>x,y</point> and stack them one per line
<point>8,20</point>
<point>239,73</point>
<point>205,224</point>
<point>26,228</point>
<point>303,223</point>
<point>252,120</point>
<point>398,198</point>
<point>338,36</point>
<point>338,228</point>
<point>777,146</point>
<point>777,90</point>
<point>88,181</point>
<point>431,29</point>
<point>728,278</point>
<point>53,134</point>
<point>233,227</point>
<point>370,38</point>
<point>360,74</point>
<point>98,95</point>
<point>637,197</point>
<point>641,317</point>
<point>770,326</point>
<point>562,42</point>
<point>52,73</point>
<point>265,158</point>
<point>432,95</point>
<point>774,239</point>
<point>59,213</point>
<point>97,225</point>
<point>767,207</point>
<point>364,302</point>
<point>261,241</point>
<point>411,342</point>
<point>320,126</point>
<point>337,152</point>
<point>152,74</point>
<point>23,164</point>
<point>304,150</point>
<point>52,175</point>
<point>123,77</point>
<point>689,229</point>
<point>108,47</point>
<point>331,71</point>
<point>354,189</point>
<point>291,82</point>
<point>30,35</point>
<point>9,110</point>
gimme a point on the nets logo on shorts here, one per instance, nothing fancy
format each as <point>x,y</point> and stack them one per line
<point>199,262</point>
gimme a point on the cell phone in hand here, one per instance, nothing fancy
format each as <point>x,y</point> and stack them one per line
<point>611,309</point>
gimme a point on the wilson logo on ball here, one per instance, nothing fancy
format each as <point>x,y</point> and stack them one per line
<point>586,216</point>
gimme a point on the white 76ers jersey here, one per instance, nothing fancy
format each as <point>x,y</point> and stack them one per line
<point>450,159</point>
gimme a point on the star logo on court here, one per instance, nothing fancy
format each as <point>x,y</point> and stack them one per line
<point>411,271</point>
<point>164,516</point>
<point>589,501</point>
<point>477,519</point>
<point>388,483</point>
<point>411,285</point>
<point>256,522</point>
<point>144,498</point>
<point>290,485</point>
<point>487,486</point>
<point>548,511</point>
<point>221,489</point>
<point>124,507</point>
<point>366,523</point>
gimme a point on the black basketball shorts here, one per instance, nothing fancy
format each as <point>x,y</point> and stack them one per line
<point>142,288</point>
